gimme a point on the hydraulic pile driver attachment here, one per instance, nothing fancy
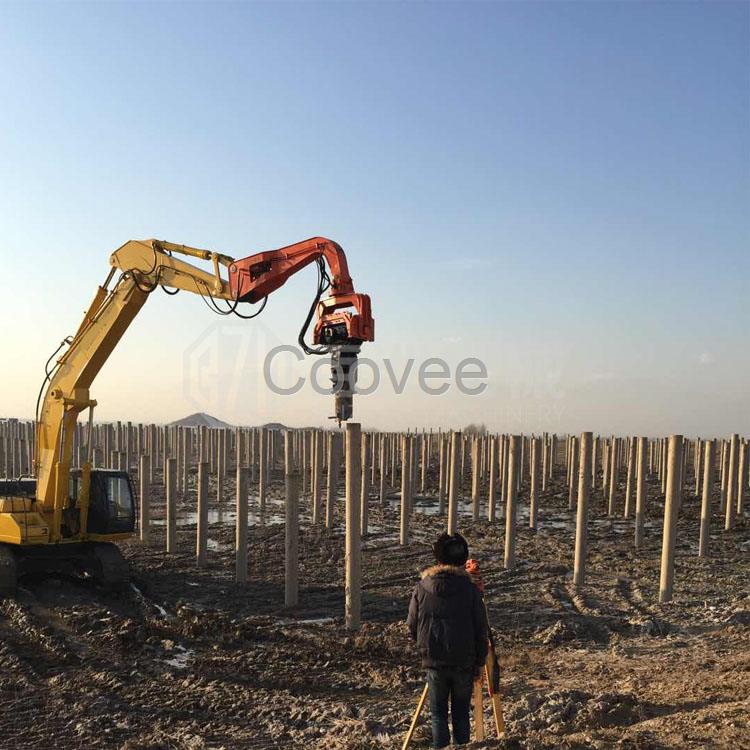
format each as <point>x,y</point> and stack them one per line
<point>344,319</point>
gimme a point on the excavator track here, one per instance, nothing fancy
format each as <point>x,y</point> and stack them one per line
<point>8,572</point>
<point>109,568</point>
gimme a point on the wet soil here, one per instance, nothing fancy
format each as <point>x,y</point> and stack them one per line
<point>186,659</point>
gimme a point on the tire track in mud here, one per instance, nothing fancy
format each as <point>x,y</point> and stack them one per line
<point>579,616</point>
<point>629,592</point>
<point>516,599</point>
<point>72,628</point>
<point>557,594</point>
<point>600,617</point>
<point>56,664</point>
<point>30,641</point>
<point>584,602</point>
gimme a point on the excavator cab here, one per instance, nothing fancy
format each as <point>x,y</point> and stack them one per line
<point>112,507</point>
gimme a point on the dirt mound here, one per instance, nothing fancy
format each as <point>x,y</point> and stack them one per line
<point>611,710</point>
<point>569,711</point>
<point>565,631</point>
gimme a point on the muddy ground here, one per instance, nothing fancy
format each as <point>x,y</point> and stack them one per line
<point>185,659</point>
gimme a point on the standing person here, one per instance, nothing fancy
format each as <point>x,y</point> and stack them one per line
<point>449,624</point>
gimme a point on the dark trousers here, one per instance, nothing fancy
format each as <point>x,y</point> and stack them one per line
<point>454,683</point>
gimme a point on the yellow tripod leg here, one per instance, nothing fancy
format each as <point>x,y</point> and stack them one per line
<point>478,712</point>
<point>415,719</point>
<point>497,706</point>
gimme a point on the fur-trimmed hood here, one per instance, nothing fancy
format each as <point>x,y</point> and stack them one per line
<point>433,570</point>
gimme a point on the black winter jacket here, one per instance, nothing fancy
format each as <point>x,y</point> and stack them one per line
<point>447,619</point>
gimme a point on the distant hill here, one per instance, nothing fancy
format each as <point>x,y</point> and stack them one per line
<point>206,420</point>
<point>200,420</point>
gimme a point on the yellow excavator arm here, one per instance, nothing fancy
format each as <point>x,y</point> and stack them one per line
<point>144,265</point>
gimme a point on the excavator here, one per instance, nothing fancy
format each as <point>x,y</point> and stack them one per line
<point>67,519</point>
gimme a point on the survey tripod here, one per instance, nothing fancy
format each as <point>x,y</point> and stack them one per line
<point>491,679</point>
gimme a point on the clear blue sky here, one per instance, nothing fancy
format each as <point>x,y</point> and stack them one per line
<point>561,189</point>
